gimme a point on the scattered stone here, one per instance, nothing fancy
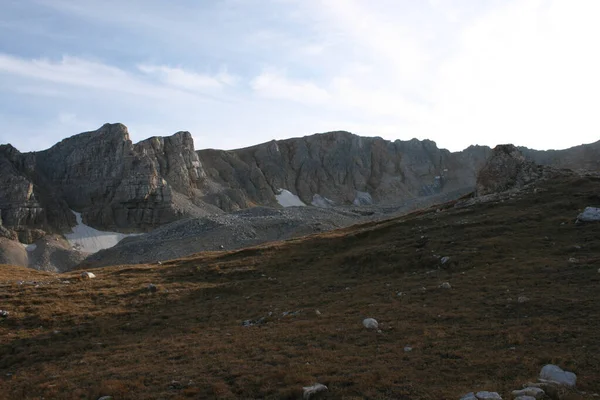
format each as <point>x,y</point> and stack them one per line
<point>532,392</point>
<point>488,396</point>
<point>152,288</point>
<point>407,349</point>
<point>446,285</point>
<point>525,398</point>
<point>317,312</point>
<point>87,275</point>
<point>106,398</point>
<point>4,314</point>
<point>469,396</point>
<point>522,299</point>
<point>311,392</point>
<point>590,214</point>
<point>554,373</point>
<point>573,260</point>
<point>159,262</point>
<point>370,323</point>
<point>444,260</point>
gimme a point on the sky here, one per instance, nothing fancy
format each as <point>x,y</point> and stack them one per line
<point>240,72</point>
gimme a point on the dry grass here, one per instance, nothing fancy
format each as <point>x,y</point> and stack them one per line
<point>110,336</point>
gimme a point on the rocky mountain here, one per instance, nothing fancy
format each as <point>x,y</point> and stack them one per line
<point>339,168</point>
<point>585,157</point>
<point>120,186</point>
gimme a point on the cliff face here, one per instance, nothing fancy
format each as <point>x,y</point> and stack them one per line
<point>341,167</point>
<point>584,157</point>
<point>115,184</point>
<point>121,186</point>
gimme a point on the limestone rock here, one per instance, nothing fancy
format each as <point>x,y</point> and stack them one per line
<point>370,323</point>
<point>534,392</point>
<point>338,168</point>
<point>553,373</point>
<point>488,396</point>
<point>13,253</point>
<point>506,169</point>
<point>88,275</point>
<point>312,392</point>
<point>590,214</point>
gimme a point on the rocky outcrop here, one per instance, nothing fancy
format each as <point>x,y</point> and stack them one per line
<point>120,186</point>
<point>507,168</point>
<point>115,184</point>
<point>341,167</point>
<point>29,205</point>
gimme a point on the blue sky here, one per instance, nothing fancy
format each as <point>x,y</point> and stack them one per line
<point>240,72</point>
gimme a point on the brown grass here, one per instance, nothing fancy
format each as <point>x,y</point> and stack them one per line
<point>110,336</point>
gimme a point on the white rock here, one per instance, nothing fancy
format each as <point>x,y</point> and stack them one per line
<point>532,392</point>
<point>106,398</point>
<point>488,396</point>
<point>446,285</point>
<point>522,299</point>
<point>407,349</point>
<point>370,323</point>
<point>310,391</point>
<point>525,398</point>
<point>590,214</point>
<point>469,396</point>
<point>87,275</point>
<point>554,373</point>
<point>444,260</point>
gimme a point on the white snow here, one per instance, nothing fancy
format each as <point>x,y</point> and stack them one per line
<point>90,240</point>
<point>320,201</point>
<point>288,199</point>
<point>362,199</point>
<point>29,247</point>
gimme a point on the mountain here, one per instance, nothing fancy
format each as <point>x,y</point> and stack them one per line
<point>120,186</point>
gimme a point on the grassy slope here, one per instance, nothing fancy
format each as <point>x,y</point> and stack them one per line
<point>113,337</point>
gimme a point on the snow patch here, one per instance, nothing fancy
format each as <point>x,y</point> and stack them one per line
<point>288,199</point>
<point>29,247</point>
<point>320,201</point>
<point>89,240</point>
<point>362,199</point>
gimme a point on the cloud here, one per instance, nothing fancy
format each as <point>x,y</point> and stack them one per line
<point>81,73</point>
<point>180,78</point>
<point>275,84</point>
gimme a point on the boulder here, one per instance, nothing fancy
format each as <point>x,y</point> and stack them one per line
<point>370,323</point>
<point>87,275</point>
<point>590,214</point>
<point>488,396</point>
<point>314,391</point>
<point>533,392</point>
<point>506,169</point>
<point>553,373</point>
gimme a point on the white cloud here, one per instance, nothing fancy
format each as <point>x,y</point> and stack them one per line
<point>183,79</point>
<point>274,84</point>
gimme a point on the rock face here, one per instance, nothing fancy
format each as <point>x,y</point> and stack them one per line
<point>507,168</point>
<point>584,157</point>
<point>120,186</point>
<point>114,184</point>
<point>340,167</point>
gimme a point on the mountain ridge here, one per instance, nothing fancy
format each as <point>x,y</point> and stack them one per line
<point>135,187</point>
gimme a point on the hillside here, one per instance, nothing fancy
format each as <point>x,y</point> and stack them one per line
<point>524,292</point>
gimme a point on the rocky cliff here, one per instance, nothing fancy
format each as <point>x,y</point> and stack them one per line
<point>117,185</point>
<point>339,168</point>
